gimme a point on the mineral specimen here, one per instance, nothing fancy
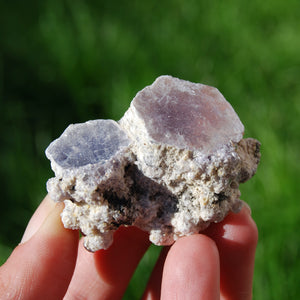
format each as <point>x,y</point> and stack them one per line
<point>171,166</point>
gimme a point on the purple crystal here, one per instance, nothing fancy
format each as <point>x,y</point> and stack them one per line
<point>187,115</point>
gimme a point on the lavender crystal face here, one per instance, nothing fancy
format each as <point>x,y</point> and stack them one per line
<point>171,166</point>
<point>187,115</point>
<point>90,143</point>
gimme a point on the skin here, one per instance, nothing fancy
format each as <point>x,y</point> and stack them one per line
<point>51,263</point>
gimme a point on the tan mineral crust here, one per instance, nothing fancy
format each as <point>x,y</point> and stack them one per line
<point>171,166</point>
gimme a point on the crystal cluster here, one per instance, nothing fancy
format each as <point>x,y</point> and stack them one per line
<point>171,166</point>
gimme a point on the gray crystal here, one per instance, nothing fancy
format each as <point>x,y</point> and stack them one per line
<point>171,166</point>
<point>86,157</point>
<point>90,143</point>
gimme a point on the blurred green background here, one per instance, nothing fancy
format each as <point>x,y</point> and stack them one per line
<point>65,62</point>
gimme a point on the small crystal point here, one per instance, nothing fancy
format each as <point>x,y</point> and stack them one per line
<point>93,142</point>
<point>187,115</point>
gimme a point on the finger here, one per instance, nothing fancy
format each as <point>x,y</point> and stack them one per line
<point>85,280</point>
<point>38,218</point>
<point>41,267</point>
<point>191,270</point>
<point>153,288</point>
<point>105,274</point>
<point>236,238</point>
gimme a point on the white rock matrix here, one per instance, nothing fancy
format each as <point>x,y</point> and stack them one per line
<point>171,166</point>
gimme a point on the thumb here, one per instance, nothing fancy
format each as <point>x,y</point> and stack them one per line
<point>42,266</point>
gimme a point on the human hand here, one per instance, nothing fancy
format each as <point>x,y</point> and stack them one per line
<point>51,263</point>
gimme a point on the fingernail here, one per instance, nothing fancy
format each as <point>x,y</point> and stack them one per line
<point>52,223</point>
<point>49,223</point>
<point>247,207</point>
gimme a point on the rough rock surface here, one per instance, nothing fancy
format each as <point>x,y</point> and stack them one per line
<point>171,166</point>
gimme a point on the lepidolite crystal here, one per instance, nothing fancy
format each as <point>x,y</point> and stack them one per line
<point>171,166</point>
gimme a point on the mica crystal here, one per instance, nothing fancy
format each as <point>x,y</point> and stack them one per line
<point>171,166</point>
<point>92,143</point>
<point>185,115</point>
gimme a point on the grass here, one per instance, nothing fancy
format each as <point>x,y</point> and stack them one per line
<point>65,61</point>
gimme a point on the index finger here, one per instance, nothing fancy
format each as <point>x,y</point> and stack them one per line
<point>105,274</point>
